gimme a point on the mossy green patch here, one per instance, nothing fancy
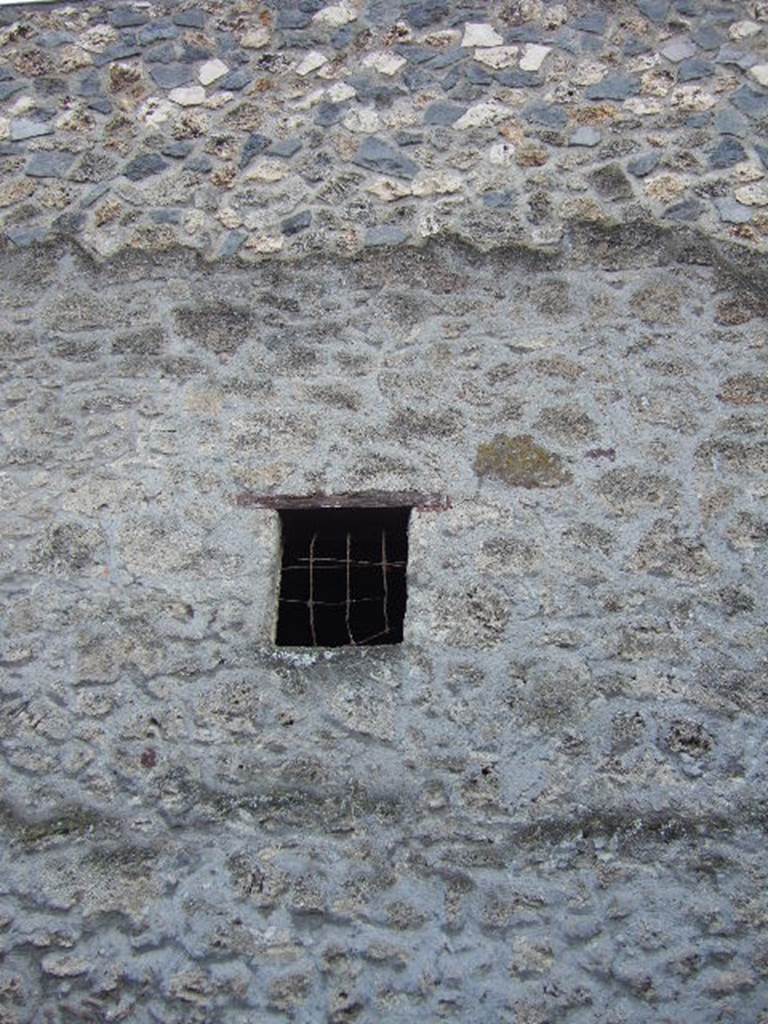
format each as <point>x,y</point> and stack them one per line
<point>520,462</point>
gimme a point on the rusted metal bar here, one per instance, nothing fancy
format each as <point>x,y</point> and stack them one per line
<point>367,499</point>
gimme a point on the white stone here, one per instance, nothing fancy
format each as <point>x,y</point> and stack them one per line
<point>188,96</point>
<point>309,99</point>
<point>746,171</point>
<point>480,33</point>
<point>677,49</point>
<point>760,74</point>
<point>265,169</point>
<point>497,56</point>
<point>483,113</point>
<point>154,111</point>
<point>64,966</point>
<point>311,62</point>
<point>363,121</point>
<point>389,190</point>
<point>533,56</point>
<point>588,74</point>
<point>692,97</point>
<point>643,105</point>
<point>744,29</point>
<point>265,243</point>
<point>5,127</point>
<point>230,217</point>
<point>438,183</point>
<point>255,38</point>
<point>95,39</point>
<point>339,92</point>
<point>501,154</point>
<point>753,195</point>
<point>384,63</point>
<point>211,71</point>
<point>336,15</point>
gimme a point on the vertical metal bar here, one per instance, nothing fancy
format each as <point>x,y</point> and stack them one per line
<point>348,606</point>
<point>384,580</point>
<point>310,603</point>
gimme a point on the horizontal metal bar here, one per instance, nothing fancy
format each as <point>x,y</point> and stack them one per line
<point>368,499</point>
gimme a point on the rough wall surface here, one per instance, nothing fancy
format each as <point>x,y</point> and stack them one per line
<point>549,803</point>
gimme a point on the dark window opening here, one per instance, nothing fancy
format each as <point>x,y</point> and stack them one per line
<point>343,576</point>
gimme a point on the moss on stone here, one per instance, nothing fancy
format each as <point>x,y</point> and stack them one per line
<point>520,462</point>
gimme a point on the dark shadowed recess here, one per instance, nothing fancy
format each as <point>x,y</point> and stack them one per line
<point>342,576</point>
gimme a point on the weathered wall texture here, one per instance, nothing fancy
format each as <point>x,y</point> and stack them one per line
<point>548,804</point>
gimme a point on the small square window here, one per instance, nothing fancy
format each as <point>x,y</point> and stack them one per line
<point>342,576</point>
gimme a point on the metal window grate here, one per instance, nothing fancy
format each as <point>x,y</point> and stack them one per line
<point>343,576</point>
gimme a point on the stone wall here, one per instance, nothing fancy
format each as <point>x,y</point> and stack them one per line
<point>548,804</point>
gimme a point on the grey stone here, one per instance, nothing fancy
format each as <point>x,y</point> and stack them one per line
<point>633,47</point>
<point>734,56</point>
<point>688,210</point>
<point>144,166</point>
<point>24,128</point>
<point>514,79</point>
<point>285,148</point>
<point>476,74</point>
<point>171,76</point>
<point>90,84</point>
<point>292,18</point>
<point>642,165</point>
<point>22,235</point>
<point>254,144</point>
<point>52,40</point>
<point>655,10</point>
<point>8,88</point>
<point>384,235</point>
<point>727,153</point>
<point>201,164</point>
<point>233,240</point>
<point>163,53</point>
<point>178,150</point>
<point>426,12</point>
<point>100,104</point>
<point>732,212</point>
<point>694,68</point>
<point>729,122</point>
<point>678,48</point>
<point>750,102</point>
<point>762,152</point>
<point>118,51</point>
<point>155,31</point>
<point>127,17</point>
<point>585,135</point>
<point>166,216</point>
<point>296,223</point>
<point>707,37</point>
<point>548,115</point>
<point>443,112</point>
<point>51,163</point>
<point>614,86</point>
<point>327,114</point>
<point>194,17</point>
<point>422,54</point>
<point>235,80</point>
<point>594,21</point>
<point>378,155</point>
<point>498,200</point>
<point>447,58</point>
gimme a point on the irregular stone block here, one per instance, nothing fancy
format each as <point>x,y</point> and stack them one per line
<point>520,462</point>
<point>378,155</point>
<point>144,166</point>
<point>50,163</point>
